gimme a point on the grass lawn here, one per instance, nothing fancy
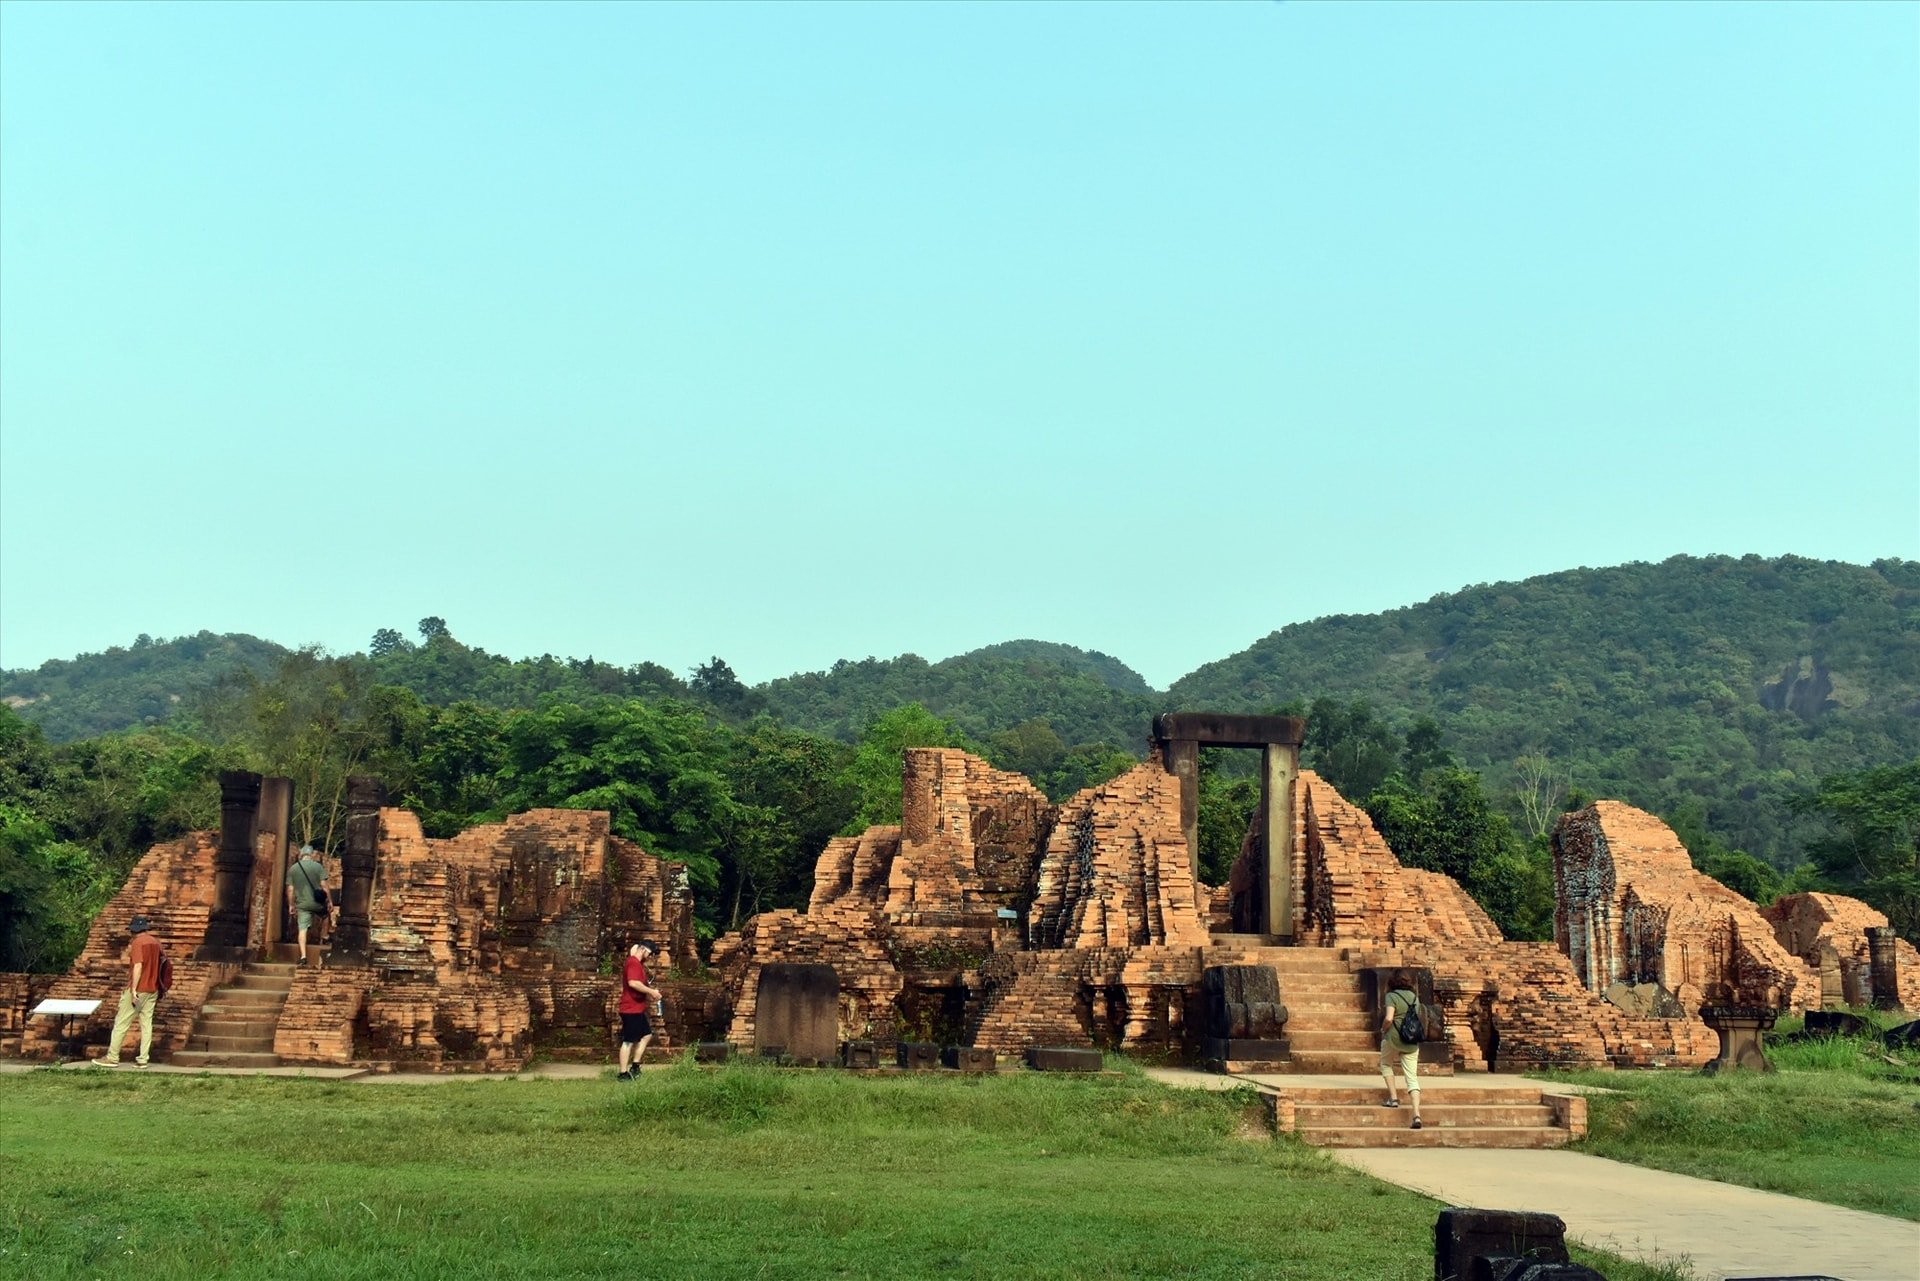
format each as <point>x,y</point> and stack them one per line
<point>1835,1123</point>
<point>744,1172</point>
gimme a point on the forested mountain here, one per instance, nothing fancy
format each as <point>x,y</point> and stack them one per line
<point>145,683</point>
<point>983,693</point>
<point>1708,690</point>
<point>1716,688</point>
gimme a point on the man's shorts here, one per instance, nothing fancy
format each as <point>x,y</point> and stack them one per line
<point>634,1028</point>
<point>308,915</point>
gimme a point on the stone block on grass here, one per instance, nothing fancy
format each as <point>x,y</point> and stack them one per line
<point>1063,1058</point>
<point>967,1058</point>
<point>712,1051</point>
<point>918,1056</point>
<point>1461,1236</point>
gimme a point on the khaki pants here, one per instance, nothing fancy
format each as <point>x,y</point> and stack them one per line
<point>132,1003</point>
<point>1409,1059</point>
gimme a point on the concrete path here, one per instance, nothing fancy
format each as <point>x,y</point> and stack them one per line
<point>1720,1230</point>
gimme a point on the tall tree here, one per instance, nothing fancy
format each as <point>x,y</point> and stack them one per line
<point>1872,845</point>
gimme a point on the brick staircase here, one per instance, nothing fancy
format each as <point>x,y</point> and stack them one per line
<point>237,1024</point>
<point>1517,1115</point>
<point>1328,1023</point>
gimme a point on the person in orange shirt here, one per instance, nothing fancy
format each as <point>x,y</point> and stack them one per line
<point>142,991</point>
<point>638,997</point>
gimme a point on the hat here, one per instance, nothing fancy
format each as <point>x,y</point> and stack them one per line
<point>139,924</point>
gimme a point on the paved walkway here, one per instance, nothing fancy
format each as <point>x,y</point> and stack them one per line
<point>1721,1231</point>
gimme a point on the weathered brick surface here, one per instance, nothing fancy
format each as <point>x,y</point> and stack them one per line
<point>1631,908</point>
<point>1828,933</point>
<point>1116,871</point>
<point>172,885</point>
<point>19,993</point>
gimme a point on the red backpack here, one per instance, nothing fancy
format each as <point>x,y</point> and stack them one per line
<point>163,981</point>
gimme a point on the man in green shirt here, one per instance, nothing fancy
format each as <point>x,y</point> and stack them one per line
<point>307,892</point>
<point>1401,997</point>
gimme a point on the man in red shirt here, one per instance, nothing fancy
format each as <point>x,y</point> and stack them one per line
<point>637,999</point>
<point>142,990</point>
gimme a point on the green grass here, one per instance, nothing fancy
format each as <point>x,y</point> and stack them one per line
<point>1836,1122</point>
<point>745,1172</point>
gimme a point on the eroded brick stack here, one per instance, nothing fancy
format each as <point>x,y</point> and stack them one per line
<point>1828,933</point>
<point>172,885</point>
<point>1631,908</point>
<point>19,993</point>
<point>1116,871</point>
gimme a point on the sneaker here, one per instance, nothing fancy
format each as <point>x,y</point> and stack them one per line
<point>108,1062</point>
<point>626,1076</point>
<point>1391,1103</point>
<point>1416,1122</point>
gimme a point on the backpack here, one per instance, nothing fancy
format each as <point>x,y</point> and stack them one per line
<point>163,981</point>
<point>1410,1029</point>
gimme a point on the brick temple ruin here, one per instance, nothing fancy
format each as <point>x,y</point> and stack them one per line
<point>989,918</point>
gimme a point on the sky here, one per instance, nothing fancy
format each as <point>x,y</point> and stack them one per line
<point>791,333</point>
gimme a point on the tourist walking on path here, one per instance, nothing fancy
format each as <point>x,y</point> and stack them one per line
<point>144,955</point>
<point>638,998</point>
<point>1401,998</point>
<point>307,889</point>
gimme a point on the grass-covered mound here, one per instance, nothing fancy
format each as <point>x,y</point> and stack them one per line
<point>748,1171</point>
<point>1839,1121</point>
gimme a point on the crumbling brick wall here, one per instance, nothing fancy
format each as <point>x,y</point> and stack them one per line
<point>1631,908</point>
<point>852,940</point>
<point>1828,933</point>
<point>172,885</point>
<point>19,993</point>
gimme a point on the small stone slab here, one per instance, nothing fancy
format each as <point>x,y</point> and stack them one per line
<point>713,1051</point>
<point>860,1054</point>
<point>918,1056</point>
<point>1835,1023</point>
<point>1063,1058</point>
<point>1462,1237</point>
<point>967,1058</point>
<point>1274,1050</point>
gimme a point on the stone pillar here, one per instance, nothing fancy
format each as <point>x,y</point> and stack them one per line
<point>1280,765</point>
<point>352,938</point>
<point>226,939</point>
<point>1182,759</point>
<point>272,830</point>
<point>1741,1029</point>
<point>1884,962</point>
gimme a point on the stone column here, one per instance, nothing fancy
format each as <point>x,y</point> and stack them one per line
<point>1884,962</point>
<point>232,869</point>
<point>352,939</point>
<point>1280,765</point>
<point>1182,759</point>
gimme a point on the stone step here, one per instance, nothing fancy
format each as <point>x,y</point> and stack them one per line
<point>1304,1037</point>
<point>1315,1019</point>
<point>284,969</point>
<point>223,1026</point>
<point>1448,1096</point>
<point>1335,1062</point>
<point>1324,1002</point>
<point>1445,1116</point>
<point>1224,939</point>
<point>207,1058</point>
<point>289,953</point>
<point>251,982</point>
<point>244,1005</point>
<point>1480,1136</point>
<point>231,1044</point>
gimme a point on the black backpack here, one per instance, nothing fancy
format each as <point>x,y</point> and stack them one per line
<point>163,981</point>
<point>1410,1029</point>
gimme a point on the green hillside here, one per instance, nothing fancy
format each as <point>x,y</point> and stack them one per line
<point>983,693</point>
<point>126,687</point>
<point>1718,683</point>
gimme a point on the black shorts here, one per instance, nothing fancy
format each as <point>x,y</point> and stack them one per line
<point>634,1027</point>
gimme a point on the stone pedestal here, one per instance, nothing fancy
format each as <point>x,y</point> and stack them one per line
<point>1245,1019</point>
<point>1740,1028</point>
<point>226,939</point>
<point>797,1013</point>
<point>1884,963</point>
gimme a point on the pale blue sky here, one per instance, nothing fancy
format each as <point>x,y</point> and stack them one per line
<point>793,333</point>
